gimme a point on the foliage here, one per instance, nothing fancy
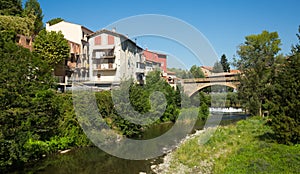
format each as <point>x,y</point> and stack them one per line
<point>225,63</point>
<point>204,103</point>
<point>52,47</point>
<point>20,25</point>
<point>32,7</point>
<point>257,64</point>
<point>285,102</point>
<point>235,144</point>
<point>27,108</point>
<point>11,7</point>
<point>196,72</point>
<point>217,68</point>
<point>55,21</point>
<point>296,48</point>
<point>181,73</point>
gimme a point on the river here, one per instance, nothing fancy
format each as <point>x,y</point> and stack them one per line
<point>93,160</point>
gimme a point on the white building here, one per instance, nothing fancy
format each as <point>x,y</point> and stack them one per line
<point>113,58</point>
<point>76,68</point>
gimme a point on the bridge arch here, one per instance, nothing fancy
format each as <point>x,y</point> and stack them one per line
<point>202,86</point>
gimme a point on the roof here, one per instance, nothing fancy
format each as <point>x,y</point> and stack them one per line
<point>207,67</point>
<point>83,27</point>
<point>108,32</point>
<point>157,53</point>
<point>171,73</point>
<point>113,33</point>
<point>235,71</point>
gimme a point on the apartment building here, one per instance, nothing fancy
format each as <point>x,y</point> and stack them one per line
<point>76,67</point>
<point>114,57</point>
<point>155,61</point>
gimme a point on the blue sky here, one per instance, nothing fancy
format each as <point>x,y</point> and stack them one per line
<point>224,23</point>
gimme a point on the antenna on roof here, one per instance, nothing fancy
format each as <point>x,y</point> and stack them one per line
<point>114,29</point>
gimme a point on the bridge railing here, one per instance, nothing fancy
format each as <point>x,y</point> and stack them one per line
<point>210,79</point>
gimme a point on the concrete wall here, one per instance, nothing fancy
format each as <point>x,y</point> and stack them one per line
<point>72,32</point>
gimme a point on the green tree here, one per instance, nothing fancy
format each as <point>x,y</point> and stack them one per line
<point>257,64</point>
<point>217,68</point>
<point>55,21</point>
<point>285,103</point>
<point>52,47</point>
<point>196,72</point>
<point>296,48</point>
<point>33,7</point>
<point>204,103</point>
<point>225,63</point>
<point>11,7</point>
<point>20,25</point>
<point>26,104</point>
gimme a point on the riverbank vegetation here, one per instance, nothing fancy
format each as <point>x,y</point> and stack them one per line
<point>270,144</point>
<point>240,148</point>
<point>37,120</point>
<point>270,84</point>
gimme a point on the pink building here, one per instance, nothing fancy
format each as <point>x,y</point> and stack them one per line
<point>156,57</point>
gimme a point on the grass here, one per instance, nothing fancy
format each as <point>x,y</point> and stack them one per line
<point>236,149</point>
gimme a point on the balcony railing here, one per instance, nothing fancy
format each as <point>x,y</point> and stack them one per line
<point>108,55</point>
<point>105,67</point>
<point>104,54</point>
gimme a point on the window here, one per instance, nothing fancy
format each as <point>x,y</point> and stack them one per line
<point>72,57</point>
<point>98,40</point>
<point>110,40</point>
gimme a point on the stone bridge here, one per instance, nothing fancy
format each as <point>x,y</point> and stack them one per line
<point>192,86</point>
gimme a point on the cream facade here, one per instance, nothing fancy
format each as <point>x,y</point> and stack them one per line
<point>76,68</point>
<point>113,58</point>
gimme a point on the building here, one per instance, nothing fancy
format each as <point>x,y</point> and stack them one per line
<point>207,70</point>
<point>113,58</point>
<point>76,68</point>
<point>155,60</point>
<point>24,41</point>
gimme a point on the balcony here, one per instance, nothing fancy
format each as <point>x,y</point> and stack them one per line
<point>105,67</point>
<point>105,54</point>
<point>108,56</point>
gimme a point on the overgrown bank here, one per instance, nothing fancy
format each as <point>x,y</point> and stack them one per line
<point>241,148</point>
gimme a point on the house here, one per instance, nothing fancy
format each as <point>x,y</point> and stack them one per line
<point>76,67</point>
<point>207,70</point>
<point>155,61</point>
<point>24,41</point>
<point>114,57</point>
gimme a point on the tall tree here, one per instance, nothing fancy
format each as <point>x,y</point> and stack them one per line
<point>196,72</point>
<point>52,47</point>
<point>11,7</point>
<point>33,7</point>
<point>285,104</point>
<point>26,108</point>
<point>257,56</point>
<point>225,63</point>
<point>217,68</point>
<point>296,48</point>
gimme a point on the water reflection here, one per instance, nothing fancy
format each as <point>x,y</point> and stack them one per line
<point>93,160</point>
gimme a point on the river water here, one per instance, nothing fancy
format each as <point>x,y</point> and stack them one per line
<point>92,160</point>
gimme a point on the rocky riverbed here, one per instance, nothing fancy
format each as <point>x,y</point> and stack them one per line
<point>164,167</point>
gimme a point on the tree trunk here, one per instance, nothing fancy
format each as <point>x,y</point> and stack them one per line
<point>260,109</point>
